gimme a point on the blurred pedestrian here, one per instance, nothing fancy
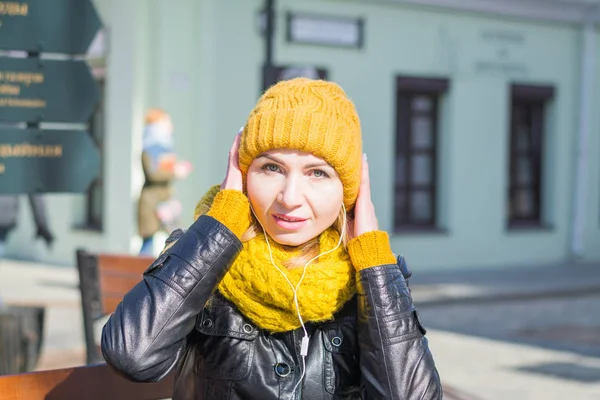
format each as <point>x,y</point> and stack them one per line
<point>158,209</point>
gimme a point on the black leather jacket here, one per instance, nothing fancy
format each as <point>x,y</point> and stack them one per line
<point>374,349</point>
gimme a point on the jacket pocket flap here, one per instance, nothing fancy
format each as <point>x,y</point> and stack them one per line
<point>225,321</point>
<point>336,341</point>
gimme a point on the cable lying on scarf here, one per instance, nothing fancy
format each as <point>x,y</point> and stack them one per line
<point>305,338</point>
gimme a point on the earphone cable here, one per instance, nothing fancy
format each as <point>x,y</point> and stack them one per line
<point>305,339</point>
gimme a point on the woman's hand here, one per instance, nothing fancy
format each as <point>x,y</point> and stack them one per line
<point>233,178</point>
<point>365,219</point>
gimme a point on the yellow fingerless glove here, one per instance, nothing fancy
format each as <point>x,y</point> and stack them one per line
<point>370,250</point>
<point>232,209</point>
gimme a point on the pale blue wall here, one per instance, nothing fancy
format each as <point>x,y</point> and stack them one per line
<point>592,227</point>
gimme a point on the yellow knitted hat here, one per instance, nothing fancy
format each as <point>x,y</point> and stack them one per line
<point>308,115</point>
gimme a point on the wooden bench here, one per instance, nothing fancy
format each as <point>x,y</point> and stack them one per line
<point>103,281</point>
<point>92,382</point>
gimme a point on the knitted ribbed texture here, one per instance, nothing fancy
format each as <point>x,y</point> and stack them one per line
<point>232,209</point>
<point>370,250</point>
<point>308,115</point>
<point>262,294</point>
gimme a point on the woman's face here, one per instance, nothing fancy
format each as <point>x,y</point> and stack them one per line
<point>295,195</point>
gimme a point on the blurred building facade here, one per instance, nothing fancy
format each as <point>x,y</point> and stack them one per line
<point>479,121</point>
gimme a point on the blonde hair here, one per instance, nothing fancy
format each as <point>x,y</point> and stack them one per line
<point>308,250</point>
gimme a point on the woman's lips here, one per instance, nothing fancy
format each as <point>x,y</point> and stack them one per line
<point>288,222</point>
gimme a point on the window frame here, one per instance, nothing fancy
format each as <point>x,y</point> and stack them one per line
<point>533,101</point>
<point>408,88</point>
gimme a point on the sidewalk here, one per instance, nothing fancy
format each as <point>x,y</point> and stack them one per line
<point>493,370</point>
<point>511,283</point>
<point>529,333</point>
<point>26,283</point>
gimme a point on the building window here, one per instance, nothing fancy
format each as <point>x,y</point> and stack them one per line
<point>418,109</point>
<point>528,115</point>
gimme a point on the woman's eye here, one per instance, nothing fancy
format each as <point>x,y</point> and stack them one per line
<point>318,173</point>
<point>271,168</point>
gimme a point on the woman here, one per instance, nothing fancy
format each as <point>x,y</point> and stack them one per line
<point>157,208</point>
<point>273,293</point>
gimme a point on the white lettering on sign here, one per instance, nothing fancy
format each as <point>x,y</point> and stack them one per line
<point>14,9</point>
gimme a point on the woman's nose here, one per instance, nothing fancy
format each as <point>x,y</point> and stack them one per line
<point>291,193</point>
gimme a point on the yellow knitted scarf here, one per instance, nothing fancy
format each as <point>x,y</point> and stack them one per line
<point>262,294</point>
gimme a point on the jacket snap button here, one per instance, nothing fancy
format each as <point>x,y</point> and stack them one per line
<point>282,369</point>
<point>336,341</point>
<point>207,323</point>
<point>248,328</point>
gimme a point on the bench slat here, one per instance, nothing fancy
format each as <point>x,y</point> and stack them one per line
<point>118,274</point>
<point>109,304</point>
<point>118,284</point>
<point>123,263</point>
<point>97,382</point>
